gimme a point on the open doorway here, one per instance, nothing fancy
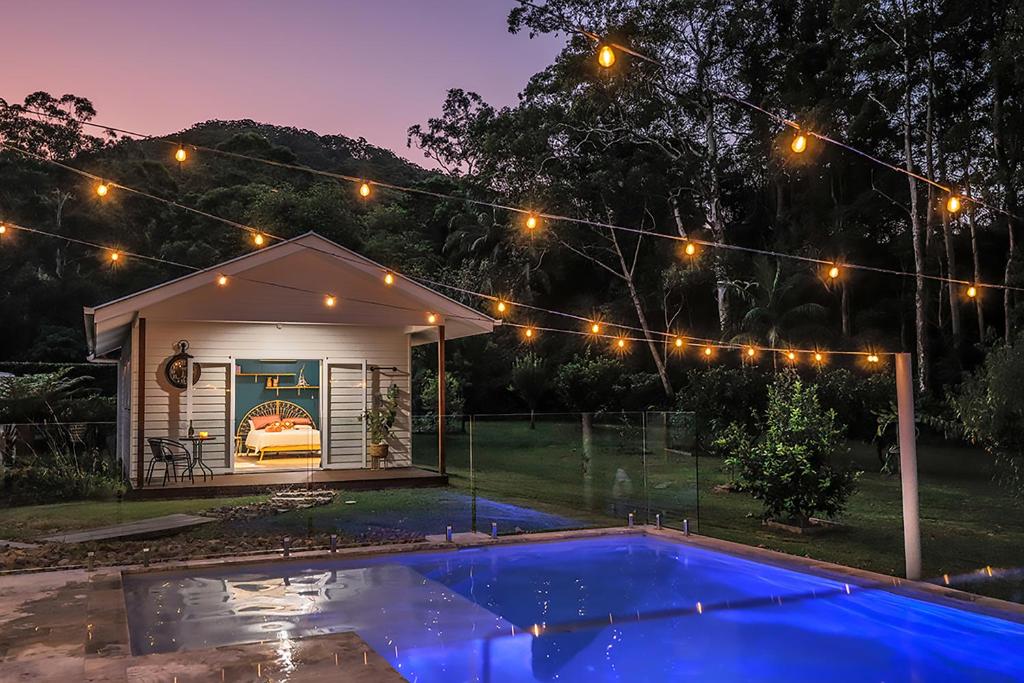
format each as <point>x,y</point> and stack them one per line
<point>277,415</point>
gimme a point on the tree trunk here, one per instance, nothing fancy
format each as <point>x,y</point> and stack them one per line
<point>977,271</point>
<point>920,293</point>
<point>844,306</point>
<point>587,459</point>
<point>713,217</point>
<point>954,295</point>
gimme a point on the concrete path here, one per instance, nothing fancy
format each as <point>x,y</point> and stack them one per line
<point>16,545</point>
<point>143,528</point>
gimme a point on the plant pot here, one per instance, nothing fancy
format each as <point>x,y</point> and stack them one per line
<point>378,453</point>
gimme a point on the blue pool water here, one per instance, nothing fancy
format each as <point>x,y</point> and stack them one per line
<point>625,608</point>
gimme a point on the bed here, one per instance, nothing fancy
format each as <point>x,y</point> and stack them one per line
<point>278,427</point>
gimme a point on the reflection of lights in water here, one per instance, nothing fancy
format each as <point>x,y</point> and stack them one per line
<point>284,652</point>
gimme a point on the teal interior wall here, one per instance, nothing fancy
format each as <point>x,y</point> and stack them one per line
<point>251,391</point>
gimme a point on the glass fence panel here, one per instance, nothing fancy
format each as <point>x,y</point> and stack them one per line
<point>671,469</point>
<point>559,471</point>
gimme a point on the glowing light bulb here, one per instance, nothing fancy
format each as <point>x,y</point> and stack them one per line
<point>817,357</point>
<point>595,328</point>
<point>502,307</point>
<point>690,249</point>
<point>531,221</point>
<point>3,229</point>
<point>431,318</point>
<point>621,343</point>
<point>389,279</point>
<point>180,155</point>
<point>364,190</point>
<point>606,56</point>
<point>114,257</point>
<point>750,352</point>
<point>102,189</point>
<point>833,272</point>
<point>529,333</point>
<point>258,239</point>
<point>872,358</point>
<point>790,355</point>
<point>222,280</point>
<point>707,350</point>
<point>678,342</point>
<point>972,291</point>
<point>799,144</point>
<point>329,301</point>
<point>953,203</point>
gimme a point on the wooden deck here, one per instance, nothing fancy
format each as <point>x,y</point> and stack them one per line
<point>239,484</point>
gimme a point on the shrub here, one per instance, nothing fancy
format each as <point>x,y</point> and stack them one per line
<point>41,484</point>
<point>787,466</point>
<point>722,396</point>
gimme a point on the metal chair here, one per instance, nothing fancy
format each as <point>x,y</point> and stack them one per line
<point>169,452</point>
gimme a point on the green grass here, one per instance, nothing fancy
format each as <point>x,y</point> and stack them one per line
<point>28,523</point>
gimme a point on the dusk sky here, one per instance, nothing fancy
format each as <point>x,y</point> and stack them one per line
<point>369,68</point>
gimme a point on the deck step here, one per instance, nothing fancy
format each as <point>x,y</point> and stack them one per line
<point>139,529</point>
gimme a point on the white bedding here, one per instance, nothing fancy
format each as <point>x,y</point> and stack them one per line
<point>301,435</point>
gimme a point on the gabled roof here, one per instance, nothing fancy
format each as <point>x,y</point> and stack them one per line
<point>274,285</point>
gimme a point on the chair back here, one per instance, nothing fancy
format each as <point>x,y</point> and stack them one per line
<point>167,449</point>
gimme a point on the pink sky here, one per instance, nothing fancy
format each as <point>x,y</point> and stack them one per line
<point>370,68</point>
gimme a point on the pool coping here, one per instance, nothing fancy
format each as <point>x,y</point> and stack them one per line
<point>863,578</point>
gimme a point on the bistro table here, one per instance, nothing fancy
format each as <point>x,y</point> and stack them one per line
<point>197,455</point>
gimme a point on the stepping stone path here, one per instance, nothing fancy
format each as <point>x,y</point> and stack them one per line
<point>143,528</point>
<point>283,501</point>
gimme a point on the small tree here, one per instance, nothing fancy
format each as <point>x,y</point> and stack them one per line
<point>788,465</point>
<point>530,381</point>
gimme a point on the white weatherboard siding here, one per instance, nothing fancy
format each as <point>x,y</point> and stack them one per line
<point>219,343</point>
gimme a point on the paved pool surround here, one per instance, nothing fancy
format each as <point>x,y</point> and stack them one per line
<point>72,625</point>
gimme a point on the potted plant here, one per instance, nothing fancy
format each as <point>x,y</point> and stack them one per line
<point>380,419</point>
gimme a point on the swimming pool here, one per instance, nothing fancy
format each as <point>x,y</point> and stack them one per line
<point>622,608</point>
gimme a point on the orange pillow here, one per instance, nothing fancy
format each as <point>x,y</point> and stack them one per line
<point>301,421</point>
<point>263,420</point>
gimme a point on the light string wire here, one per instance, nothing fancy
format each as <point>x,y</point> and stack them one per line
<point>668,336</point>
<point>465,291</point>
<point>778,118</point>
<point>493,205</point>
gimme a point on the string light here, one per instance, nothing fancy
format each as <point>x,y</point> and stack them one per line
<point>3,229</point>
<point>678,342</point>
<point>790,356</point>
<point>431,318</point>
<point>972,291</point>
<point>501,307</point>
<point>329,301</point>
<point>595,328</point>
<point>690,249</point>
<point>531,221</point>
<point>818,357</point>
<point>750,352</point>
<point>222,280</point>
<point>389,279</point>
<point>114,257</point>
<point>258,239</point>
<point>606,56</point>
<point>872,358</point>
<point>620,343</point>
<point>707,351</point>
<point>102,189</point>
<point>180,155</point>
<point>953,203</point>
<point>364,190</point>
<point>799,143</point>
<point>833,272</point>
<point>529,333</point>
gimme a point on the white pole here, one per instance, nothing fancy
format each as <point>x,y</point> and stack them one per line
<point>908,465</point>
<point>188,393</point>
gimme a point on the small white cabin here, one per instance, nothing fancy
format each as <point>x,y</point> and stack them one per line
<point>286,347</point>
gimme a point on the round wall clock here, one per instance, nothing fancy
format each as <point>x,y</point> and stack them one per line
<point>177,367</point>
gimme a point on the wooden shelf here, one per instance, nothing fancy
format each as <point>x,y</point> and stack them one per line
<point>297,388</point>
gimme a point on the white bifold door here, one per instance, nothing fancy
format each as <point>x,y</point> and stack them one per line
<point>346,399</point>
